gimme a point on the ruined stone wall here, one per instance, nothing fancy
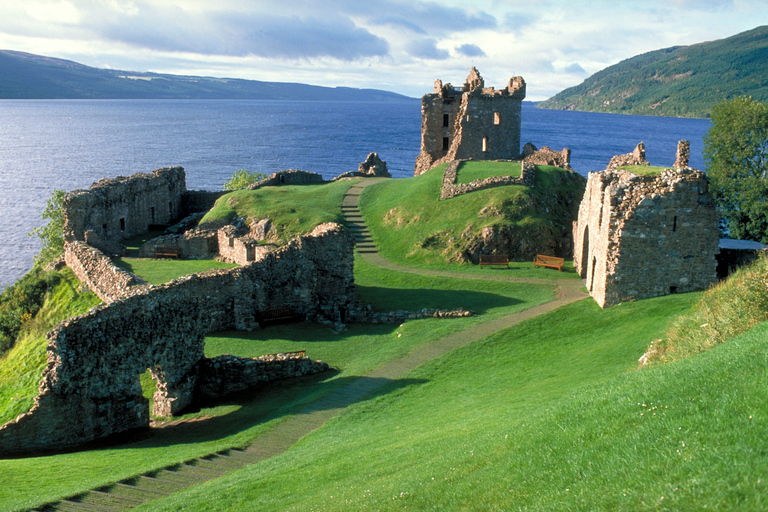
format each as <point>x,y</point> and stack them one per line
<point>288,177</point>
<point>90,388</point>
<point>476,123</point>
<point>450,188</point>
<point>96,270</point>
<point>122,207</point>
<point>197,244</point>
<point>195,201</point>
<point>239,249</point>
<point>645,236</point>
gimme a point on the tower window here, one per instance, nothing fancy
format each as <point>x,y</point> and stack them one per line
<point>496,118</point>
<point>674,224</point>
<point>122,224</point>
<point>485,144</point>
<point>446,143</point>
<point>446,120</point>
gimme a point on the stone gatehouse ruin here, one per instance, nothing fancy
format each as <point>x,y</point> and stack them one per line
<point>645,236</point>
<point>471,123</point>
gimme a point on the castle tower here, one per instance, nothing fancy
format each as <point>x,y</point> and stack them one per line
<point>471,123</point>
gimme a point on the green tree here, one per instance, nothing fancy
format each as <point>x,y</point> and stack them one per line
<point>736,152</point>
<point>242,178</point>
<point>52,233</point>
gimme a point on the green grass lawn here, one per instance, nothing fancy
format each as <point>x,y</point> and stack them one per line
<point>238,419</point>
<point>644,170</point>
<point>22,366</point>
<point>411,226</point>
<point>293,209</point>
<point>159,271</point>
<point>551,414</point>
<point>479,170</point>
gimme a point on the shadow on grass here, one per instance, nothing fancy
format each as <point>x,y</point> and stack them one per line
<point>414,299</point>
<point>304,395</point>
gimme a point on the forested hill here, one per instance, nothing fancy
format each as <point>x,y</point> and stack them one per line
<point>27,76</point>
<point>679,81</point>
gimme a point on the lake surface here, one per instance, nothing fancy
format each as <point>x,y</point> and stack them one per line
<point>69,144</point>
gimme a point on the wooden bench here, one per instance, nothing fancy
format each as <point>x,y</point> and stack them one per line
<point>167,252</point>
<point>548,261</point>
<point>494,259</point>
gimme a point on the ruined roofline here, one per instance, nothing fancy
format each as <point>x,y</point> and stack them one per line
<point>475,85</point>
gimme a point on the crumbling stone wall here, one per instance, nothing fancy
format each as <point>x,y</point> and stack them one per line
<point>96,270</point>
<point>90,388</point>
<point>372,167</point>
<point>474,123</point>
<point>644,236</point>
<point>450,188</point>
<point>546,156</point>
<point>287,177</point>
<point>239,249</point>
<point>196,244</point>
<point>121,207</point>
<point>636,157</point>
<point>683,155</point>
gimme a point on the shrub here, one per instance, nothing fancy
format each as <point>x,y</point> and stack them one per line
<point>242,178</point>
<point>20,302</point>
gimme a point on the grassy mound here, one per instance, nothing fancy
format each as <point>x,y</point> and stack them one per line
<point>411,226</point>
<point>22,367</point>
<point>724,311</point>
<point>292,209</point>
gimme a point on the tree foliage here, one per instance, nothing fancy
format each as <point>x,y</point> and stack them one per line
<point>52,233</point>
<point>736,152</point>
<point>20,303</point>
<point>242,178</point>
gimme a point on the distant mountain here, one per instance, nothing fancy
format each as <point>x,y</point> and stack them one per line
<point>28,76</point>
<point>683,81</point>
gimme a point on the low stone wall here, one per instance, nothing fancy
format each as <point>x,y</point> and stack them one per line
<point>241,250</point>
<point>96,270</point>
<point>90,388</point>
<point>195,201</point>
<point>546,156</point>
<point>197,244</point>
<point>636,157</point>
<point>222,375</point>
<point>451,189</point>
<point>367,315</point>
<point>288,177</point>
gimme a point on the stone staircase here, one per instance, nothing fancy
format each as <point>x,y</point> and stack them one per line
<point>355,223</point>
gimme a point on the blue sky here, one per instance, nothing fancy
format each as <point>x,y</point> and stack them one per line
<point>396,45</point>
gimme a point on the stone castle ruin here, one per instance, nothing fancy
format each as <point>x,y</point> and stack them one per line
<point>644,236</point>
<point>471,123</point>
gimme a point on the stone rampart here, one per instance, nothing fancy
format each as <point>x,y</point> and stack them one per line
<point>121,207</point>
<point>96,270</point>
<point>644,236</point>
<point>288,177</point>
<point>450,188</point>
<point>90,388</point>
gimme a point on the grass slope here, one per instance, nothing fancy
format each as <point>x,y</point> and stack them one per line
<point>292,209</point>
<point>31,481</point>
<point>548,415</point>
<point>22,367</point>
<point>679,81</point>
<point>410,225</point>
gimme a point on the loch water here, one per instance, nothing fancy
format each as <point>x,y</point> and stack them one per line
<point>69,144</point>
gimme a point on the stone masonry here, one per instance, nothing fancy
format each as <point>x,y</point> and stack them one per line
<point>90,388</point>
<point>644,236</point>
<point>450,188</point>
<point>471,123</point>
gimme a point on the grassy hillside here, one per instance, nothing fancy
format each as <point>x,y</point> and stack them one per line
<point>22,367</point>
<point>549,415</point>
<point>683,81</point>
<point>28,76</point>
<point>410,225</point>
<point>292,209</point>
<point>234,422</point>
